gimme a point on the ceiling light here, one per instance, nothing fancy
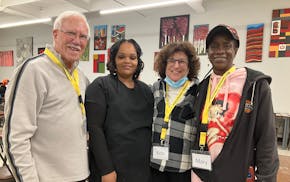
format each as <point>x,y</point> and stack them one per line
<point>143,6</point>
<point>25,23</point>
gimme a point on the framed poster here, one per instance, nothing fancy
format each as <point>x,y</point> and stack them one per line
<point>173,29</point>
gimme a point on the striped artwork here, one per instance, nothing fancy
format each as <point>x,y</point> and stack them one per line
<point>280,33</point>
<point>6,58</point>
<point>254,44</point>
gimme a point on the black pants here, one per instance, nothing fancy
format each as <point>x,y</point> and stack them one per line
<point>158,176</point>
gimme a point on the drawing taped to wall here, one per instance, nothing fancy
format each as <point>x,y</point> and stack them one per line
<point>280,33</point>
<point>117,32</point>
<point>155,64</point>
<point>6,58</point>
<point>100,37</point>
<point>254,44</point>
<point>24,48</point>
<point>99,63</point>
<point>173,29</point>
<point>86,54</point>
<point>199,37</point>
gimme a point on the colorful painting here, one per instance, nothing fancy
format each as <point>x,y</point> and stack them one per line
<point>280,33</point>
<point>155,65</point>
<point>100,37</point>
<point>173,29</point>
<point>24,48</point>
<point>117,32</point>
<point>254,44</point>
<point>40,50</point>
<point>6,58</point>
<point>108,55</point>
<point>199,37</point>
<point>86,54</point>
<point>99,63</point>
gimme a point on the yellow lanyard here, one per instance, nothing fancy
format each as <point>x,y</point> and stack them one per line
<point>209,99</point>
<point>169,108</point>
<point>74,80</point>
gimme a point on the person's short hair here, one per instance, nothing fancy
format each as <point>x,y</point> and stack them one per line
<point>59,20</point>
<point>170,49</point>
<point>222,30</point>
<point>111,65</point>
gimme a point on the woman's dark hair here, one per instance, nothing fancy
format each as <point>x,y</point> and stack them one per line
<point>111,65</point>
<point>170,49</point>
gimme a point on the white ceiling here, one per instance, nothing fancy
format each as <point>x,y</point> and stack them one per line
<point>20,10</point>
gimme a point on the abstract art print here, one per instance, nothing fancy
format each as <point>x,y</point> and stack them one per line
<point>199,37</point>
<point>254,44</point>
<point>24,48</point>
<point>100,37</point>
<point>117,32</point>
<point>6,58</point>
<point>99,63</point>
<point>280,33</point>
<point>173,29</point>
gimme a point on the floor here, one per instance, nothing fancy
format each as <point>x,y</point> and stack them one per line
<point>284,169</point>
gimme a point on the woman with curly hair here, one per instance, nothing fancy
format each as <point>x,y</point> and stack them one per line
<point>174,129</point>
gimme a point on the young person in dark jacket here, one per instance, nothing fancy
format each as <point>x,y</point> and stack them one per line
<point>236,136</point>
<point>119,110</point>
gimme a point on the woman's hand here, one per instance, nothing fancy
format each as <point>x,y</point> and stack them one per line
<point>111,177</point>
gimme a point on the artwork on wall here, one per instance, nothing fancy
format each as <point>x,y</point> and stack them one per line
<point>199,37</point>
<point>173,29</point>
<point>99,63</point>
<point>280,33</point>
<point>108,55</point>
<point>117,32</point>
<point>254,44</point>
<point>86,54</point>
<point>40,50</point>
<point>100,37</point>
<point>6,58</point>
<point>155,65</point>
<point>24,48</point>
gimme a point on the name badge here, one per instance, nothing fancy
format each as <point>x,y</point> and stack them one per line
<point>201,160</point>
<point>160,152</point>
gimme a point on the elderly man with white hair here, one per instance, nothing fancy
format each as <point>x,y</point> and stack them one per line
<point>45,124</point>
